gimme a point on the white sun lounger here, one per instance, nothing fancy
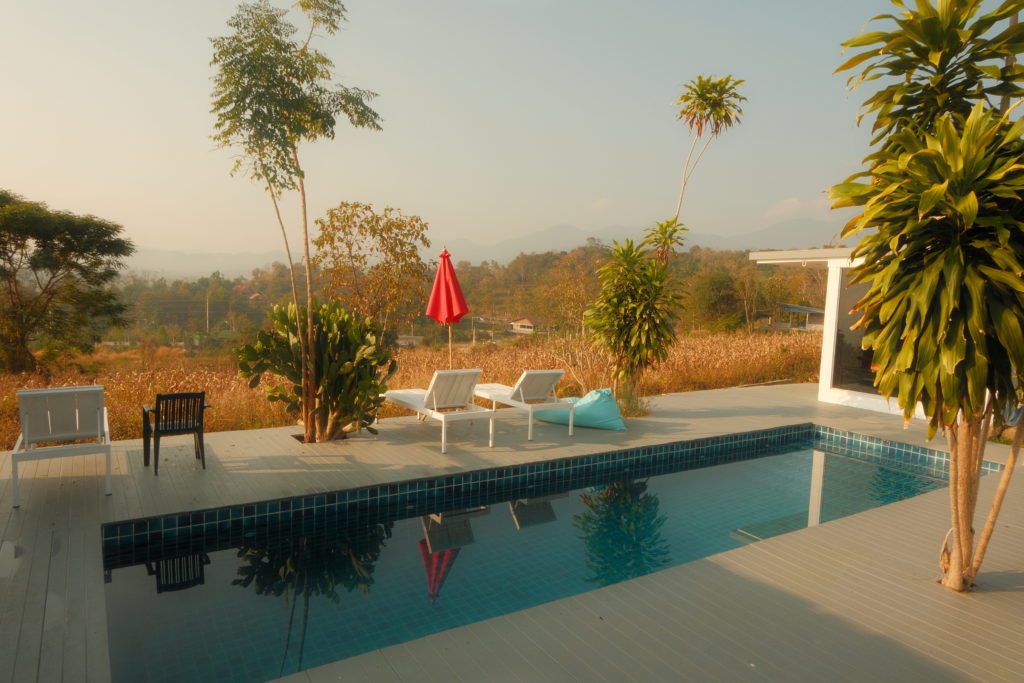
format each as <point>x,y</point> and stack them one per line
<point>534,391</point>
<point>56,415</point>
<point>448,398</point>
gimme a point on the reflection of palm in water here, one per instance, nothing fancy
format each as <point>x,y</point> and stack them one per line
<point>314,563</point>
<point>621,532</point>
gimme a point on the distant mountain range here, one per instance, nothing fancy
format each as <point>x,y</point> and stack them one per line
<point>795,234</point>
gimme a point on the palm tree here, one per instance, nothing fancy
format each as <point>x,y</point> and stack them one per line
<point>707,104</point>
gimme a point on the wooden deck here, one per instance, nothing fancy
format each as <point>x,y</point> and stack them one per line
<point>854,599</point>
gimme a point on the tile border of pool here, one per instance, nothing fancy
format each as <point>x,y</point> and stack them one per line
<point>124,542</point>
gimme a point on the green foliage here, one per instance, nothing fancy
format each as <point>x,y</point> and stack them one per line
<point>940,59</point>
<point>372,261</point>
<point>56,272</point>
<point>317,561</point>
<point>713,301</point>
<point>706,104</point>
<point>943,249</point>
<point>664,238</point>
<point>353,366</point>
<point>272,92</point>
<point>634,314</point>
<point>712,103</point>
<point>621,532</point>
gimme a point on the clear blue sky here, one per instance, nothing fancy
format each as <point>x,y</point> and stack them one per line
<point>501,117</point>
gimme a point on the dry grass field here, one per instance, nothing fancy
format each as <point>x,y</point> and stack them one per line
<point>133,378</point>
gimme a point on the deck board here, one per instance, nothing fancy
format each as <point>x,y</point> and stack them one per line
<point>853,599</point>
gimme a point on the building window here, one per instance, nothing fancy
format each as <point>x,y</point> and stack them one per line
<point>852,367</point>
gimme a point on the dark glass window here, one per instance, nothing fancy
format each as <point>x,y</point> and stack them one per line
<point>852,367</point>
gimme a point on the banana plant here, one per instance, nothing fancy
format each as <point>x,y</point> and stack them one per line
<point>353,366</point>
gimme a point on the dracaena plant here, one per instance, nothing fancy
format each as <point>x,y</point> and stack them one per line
<point>943,258</point>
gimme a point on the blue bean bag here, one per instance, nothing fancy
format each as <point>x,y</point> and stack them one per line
<point>597,409</point>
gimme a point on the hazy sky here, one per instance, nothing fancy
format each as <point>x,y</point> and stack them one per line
<point>501,117</point>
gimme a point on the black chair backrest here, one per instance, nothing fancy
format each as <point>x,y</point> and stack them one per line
<point>177,411</point>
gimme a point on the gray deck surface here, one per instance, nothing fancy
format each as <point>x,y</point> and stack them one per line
<point>854,599</point>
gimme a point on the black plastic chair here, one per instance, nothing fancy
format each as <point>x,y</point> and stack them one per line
<point>173,414</point>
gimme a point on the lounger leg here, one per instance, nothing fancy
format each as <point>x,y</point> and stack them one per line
<point>156,454</point>
<point>108,472</point>
<point>444,435</point>
<point>145,437</point>
<point>14,481</point>
<point>490,432</point>
<point>572,410</point>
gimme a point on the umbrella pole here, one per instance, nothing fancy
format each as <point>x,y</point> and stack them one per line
<point>449,346</point>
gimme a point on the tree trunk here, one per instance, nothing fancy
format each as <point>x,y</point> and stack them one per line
<point>15,356</point>
<point>959,559</point>
<point>309,388</point>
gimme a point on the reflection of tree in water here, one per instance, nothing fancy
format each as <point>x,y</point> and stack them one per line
<point>621,532</point>
<point>317,562</point>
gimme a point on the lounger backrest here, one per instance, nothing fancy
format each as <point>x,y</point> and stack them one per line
<point>536,385</point>
<point>62,414</point>
<point>451,389</point>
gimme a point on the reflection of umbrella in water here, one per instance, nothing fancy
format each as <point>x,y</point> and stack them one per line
<point>444,535</point>
<point>446,305</point>
<point>437,566</point>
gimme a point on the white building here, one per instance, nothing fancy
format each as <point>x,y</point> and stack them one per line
<point>845,376</point>
<point>522,326</point>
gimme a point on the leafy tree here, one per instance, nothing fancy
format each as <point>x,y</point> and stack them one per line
<point>372,261</point>
<point>707,105</point>
<point>633,316</point>
<point>272,93</point>
<point>316,561</point>
<point>943,240</point>
<point>56,272</point>
<point>664,238</point>
<point>568,287</point>
<point>713,301</point>
<point>352,369</point>
<point>942,61</point>
<point>621,532</point>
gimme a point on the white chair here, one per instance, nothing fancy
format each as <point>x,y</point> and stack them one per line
<point>449,397</point>
<point>535,391</point>
<point>55,415</point>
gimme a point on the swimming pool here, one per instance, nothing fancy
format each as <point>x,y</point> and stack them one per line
<point>246,593</point>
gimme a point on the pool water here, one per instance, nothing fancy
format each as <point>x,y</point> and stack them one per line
<point>304,595</point>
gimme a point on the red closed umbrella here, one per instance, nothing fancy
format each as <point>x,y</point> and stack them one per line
<point>446,305</point>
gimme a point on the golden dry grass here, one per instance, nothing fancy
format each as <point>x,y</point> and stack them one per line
<point>129,384</point>
<point>134,378</point>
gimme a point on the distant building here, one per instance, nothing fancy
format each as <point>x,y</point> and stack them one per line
<point>814,319</point>
<point>522,326</point>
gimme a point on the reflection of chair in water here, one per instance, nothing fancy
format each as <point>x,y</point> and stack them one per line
<point>533,511</point>
<point>179,573</point>
<point>447,530</point>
